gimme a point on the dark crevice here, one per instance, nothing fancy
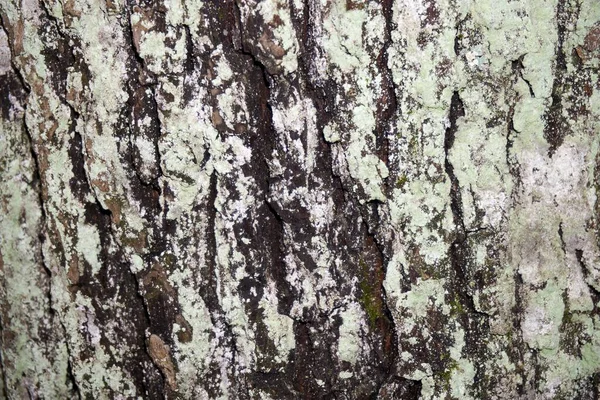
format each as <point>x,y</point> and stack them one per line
<point>142,103</point>
<point>244,50</point>
<point>563,245</point>
<point>139,61</point>
<point>387,327</point>
<point>518,67</point>
<point>235,16</point>
<point>80,182</point>
<point>511,161</point>
<point>138,293</point>
<point>517,345</point>
<point>458,47</point>
<point>100,289</point>
<point>278,217</point>
<point>538,371</point>
<point>323,100</point>
<point>456,111</point>
<point>266,146</point>
<point>190,57</point>
<point>387,104</point>
<point>271,222</point>
<point>322,95</point>
<point>284,290</point>
<point>268,143</point>
<point>406,389</point>
<point>459,251</point>
<point>510,129</point>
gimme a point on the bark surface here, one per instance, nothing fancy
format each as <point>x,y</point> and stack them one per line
<point>316,199</point>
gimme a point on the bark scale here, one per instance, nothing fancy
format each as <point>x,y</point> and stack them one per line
<point>300,199</point>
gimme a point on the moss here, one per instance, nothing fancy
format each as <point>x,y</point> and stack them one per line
<point>222,14</point>
<point>413,145</point>
<point>372,306</point>
<point>456,307</point>
<point>370,297</point>
<point>401,181</point>
<point>446,374</point>
<point>169,260</point>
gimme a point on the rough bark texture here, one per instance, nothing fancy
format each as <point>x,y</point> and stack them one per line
<point>312,199</point>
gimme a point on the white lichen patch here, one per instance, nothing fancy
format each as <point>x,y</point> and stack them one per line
<point>280,327</point>
<point>343,40</point>
<point>88,245</point>
<point>349,345</point>
<point>97,374</point>
<point>478,156</point>
<point>147,152</point>
<point>425,295</point>
<point>192,357</point>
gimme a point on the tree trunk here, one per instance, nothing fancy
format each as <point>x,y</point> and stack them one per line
<point>308,199</point>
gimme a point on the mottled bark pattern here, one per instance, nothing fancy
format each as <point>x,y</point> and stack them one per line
<point>317,199</point>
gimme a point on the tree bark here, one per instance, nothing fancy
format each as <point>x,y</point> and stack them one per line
<point>300,199</point>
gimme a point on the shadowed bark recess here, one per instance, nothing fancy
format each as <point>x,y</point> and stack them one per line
<point>342,199</point>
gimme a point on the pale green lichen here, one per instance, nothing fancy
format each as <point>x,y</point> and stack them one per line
<point>160,57</point>
<point>348,54</point>
<point>463,374</point>
<point>536,226</point>
<point>34,353</point>
<point>344,38</point>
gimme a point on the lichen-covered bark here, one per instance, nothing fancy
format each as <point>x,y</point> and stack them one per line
<point>300,199</point>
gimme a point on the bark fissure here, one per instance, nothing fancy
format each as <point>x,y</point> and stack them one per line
<point>456,111</point>
<point>518,67</point>
<point>387,104</point>
<point>517,337</point>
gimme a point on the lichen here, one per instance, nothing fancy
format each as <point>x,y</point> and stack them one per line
<point>221,189</point>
